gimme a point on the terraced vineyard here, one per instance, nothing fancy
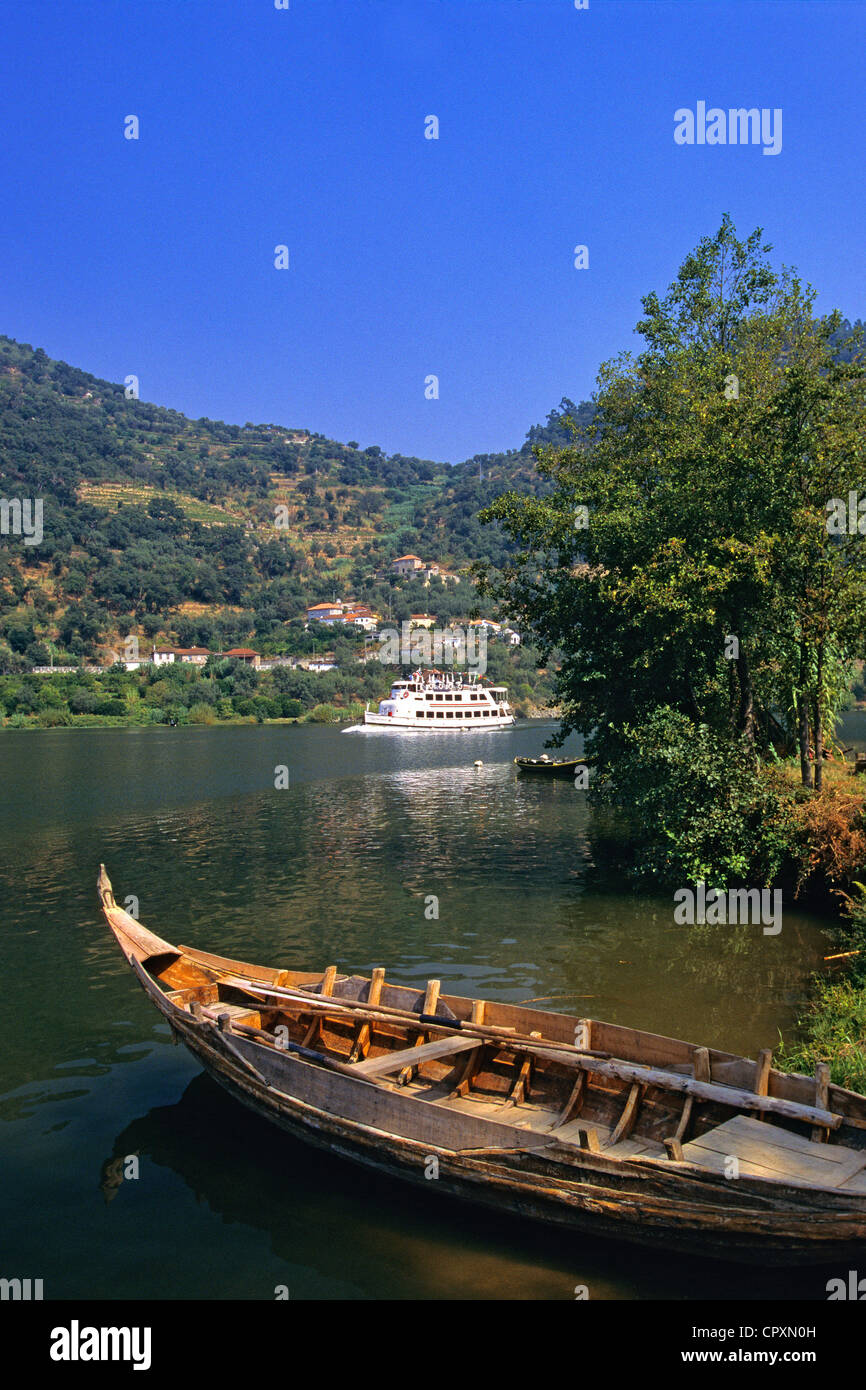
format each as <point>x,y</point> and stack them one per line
<point>114,495</point>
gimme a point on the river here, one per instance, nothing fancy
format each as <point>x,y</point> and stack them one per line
<point>342,866</point>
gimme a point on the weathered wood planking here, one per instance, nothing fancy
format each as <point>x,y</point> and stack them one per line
<point>426,1052</point>
<point>765,1149</point>
<point>582,1148</point>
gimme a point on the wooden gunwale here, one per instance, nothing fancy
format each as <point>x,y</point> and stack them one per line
<point>647,1199</point>
<point>636,1074</point>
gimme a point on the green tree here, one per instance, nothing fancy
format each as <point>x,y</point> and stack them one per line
<point>682,557</point>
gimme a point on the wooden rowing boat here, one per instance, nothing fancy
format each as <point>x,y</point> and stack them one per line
<point>561,767</point>
<point>576,1122</point>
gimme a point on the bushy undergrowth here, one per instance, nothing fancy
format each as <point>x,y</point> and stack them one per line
<point>832,1030</point>
<point>698,808</point>
<point>833,1027</point>
<point>830,834</point>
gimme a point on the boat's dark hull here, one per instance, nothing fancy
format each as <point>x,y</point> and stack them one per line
<point>565,768</point>
<point>490,1153</point>
<point>591,1195</point>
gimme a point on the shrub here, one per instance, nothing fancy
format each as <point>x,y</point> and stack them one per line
<point>53,718</point>
<point>202,713</point>
<point>832,830</point>
<point>292,709</point>
<point>325,714</point>
<point>697,807</point>
<point>117,708</point>
<point>83,701</point>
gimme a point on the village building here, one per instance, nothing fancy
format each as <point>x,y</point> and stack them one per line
<point>317,664</point>
<point>352,613</point>
<point>363,618</point>
<point>325,613</point>
<point>270,663</point>
<point>192,656</point>
<point>416,568</point>
<point>244,654</point>
<point>407,564</point>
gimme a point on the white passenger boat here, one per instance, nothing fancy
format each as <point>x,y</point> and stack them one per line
<point>437,703</point>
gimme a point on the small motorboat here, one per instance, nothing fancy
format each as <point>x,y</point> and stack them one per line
<point>553,767</point>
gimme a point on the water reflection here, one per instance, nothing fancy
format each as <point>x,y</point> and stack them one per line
<point>338,868</point>
<point>352,1230</point>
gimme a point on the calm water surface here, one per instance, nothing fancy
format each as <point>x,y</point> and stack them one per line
<point>334,869</point>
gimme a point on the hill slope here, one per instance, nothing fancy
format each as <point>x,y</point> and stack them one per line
<point>204,532</point>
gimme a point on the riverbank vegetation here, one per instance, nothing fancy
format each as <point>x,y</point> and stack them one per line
<point>833,1026</point>
<point>691,564</point>
<point>228,690</point>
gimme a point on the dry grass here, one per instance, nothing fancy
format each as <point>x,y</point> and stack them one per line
<point>831,823</point>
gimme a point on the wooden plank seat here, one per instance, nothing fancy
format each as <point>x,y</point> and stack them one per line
<point>764,1150</point>
<point>416,1056</point>
<point>238,1013</point>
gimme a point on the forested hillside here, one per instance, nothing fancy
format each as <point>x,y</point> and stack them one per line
<point>202,532</point>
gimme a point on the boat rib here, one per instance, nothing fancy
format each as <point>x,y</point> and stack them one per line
<point>638,1136</point>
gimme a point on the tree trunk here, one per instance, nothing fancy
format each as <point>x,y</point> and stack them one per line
<point>803,739</point>
<point>819,726</point>
<point>733,696</point>
<point>747,699</point>
<point>806,769</point>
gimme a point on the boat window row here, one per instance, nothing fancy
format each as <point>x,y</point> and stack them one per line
<point>455,713</point>
<point>460,697</point>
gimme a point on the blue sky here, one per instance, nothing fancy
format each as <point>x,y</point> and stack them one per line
<point>408,256</point>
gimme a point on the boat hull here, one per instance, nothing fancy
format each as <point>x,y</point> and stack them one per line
<point>584,1202</point>
<point>565,768</point>
<point>417,726</point>
<point>582,1193</point>
<point>488,1154</point>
